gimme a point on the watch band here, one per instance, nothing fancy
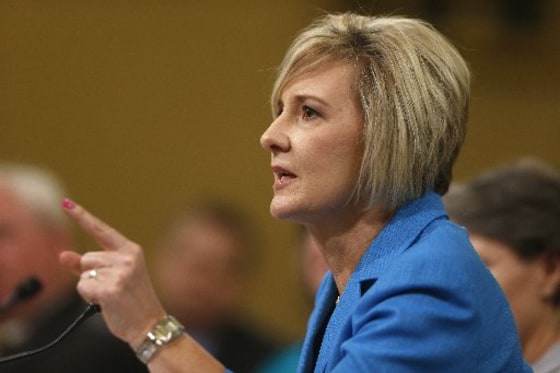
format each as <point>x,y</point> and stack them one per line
<point>166,330</point>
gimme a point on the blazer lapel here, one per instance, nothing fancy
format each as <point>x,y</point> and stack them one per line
<point>335,327</point>
<point>326,298</point>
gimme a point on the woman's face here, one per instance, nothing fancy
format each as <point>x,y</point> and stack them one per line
<point>521,281</point>
<point>316,145</point>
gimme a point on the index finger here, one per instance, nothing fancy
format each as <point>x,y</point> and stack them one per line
<point>106,236</point>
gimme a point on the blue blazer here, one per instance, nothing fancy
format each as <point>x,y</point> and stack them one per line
<point>420,300</point>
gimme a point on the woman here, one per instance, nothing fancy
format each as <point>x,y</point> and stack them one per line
<point>513,217</point>
<point>369,116</point>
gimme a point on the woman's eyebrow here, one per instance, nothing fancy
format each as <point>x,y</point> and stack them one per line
<point>304,97</point>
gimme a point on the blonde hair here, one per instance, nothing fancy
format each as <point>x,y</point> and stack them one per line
<point>413,87</point>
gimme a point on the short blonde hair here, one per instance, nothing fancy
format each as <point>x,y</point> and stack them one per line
<point>414,91</point>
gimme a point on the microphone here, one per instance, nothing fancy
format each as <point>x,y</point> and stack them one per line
<point>90,310</point>
<point>25,290</point>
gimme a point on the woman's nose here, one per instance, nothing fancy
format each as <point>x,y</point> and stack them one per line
<point>274,139</point>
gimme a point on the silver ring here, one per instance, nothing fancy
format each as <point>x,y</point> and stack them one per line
<point>92,274</point>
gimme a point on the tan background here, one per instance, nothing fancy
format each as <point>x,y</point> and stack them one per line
<point>140,105</point>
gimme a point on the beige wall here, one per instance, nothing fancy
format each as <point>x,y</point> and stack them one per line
<point>140,106</point>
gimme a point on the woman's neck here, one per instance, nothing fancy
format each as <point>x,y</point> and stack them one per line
<point>343,245</point>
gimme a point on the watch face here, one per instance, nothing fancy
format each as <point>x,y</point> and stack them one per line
<point>162,335</point>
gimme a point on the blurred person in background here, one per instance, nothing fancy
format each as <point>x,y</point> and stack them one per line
<point>512,214</point>
<point>200,268</point>
<point>32,234</point>
<point>311,268</point>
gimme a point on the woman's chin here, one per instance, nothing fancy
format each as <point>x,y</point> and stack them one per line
<point>291,215</point>
<point>278,213</point>
<point>281,210</point>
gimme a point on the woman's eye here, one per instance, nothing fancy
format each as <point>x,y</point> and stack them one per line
<point>308,113</point>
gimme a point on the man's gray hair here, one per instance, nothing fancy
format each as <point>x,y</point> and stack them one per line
<point>38,188</point>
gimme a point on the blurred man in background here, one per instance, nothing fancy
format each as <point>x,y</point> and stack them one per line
<point>200,267</point>
<point>33,231</point>
<point>512,214</point>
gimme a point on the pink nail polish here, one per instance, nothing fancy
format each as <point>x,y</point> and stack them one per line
<point>68,204</point>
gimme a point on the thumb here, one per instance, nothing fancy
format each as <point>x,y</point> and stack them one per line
<point>71,260</point>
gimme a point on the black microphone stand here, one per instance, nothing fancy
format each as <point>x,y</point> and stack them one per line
<point>90,310</point>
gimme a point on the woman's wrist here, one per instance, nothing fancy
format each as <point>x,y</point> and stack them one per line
<point>140,334</point>
<point>165,331</point>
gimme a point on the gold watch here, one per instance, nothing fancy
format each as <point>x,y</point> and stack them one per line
<point>166,330</point>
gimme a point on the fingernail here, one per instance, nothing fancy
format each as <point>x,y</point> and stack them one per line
<point>68,204</point>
